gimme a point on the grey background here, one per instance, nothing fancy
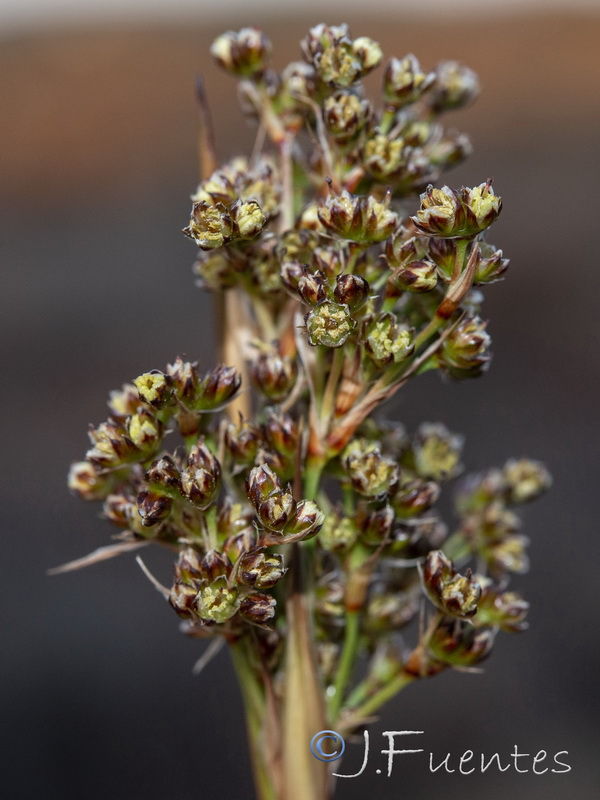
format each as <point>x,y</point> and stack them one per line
<point>98,158</point>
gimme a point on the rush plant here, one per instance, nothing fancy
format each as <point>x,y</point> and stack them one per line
<point>303,523</point>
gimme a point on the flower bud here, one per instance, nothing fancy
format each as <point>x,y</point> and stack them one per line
<point>451,214</point>
<point>312,288</point>
<point>88,482</point>
<point>124,402</point>
<point>490,265</point>
<point>216,601</point>
<point>358,218</point>
<point>112,447</point>
<point>276,510</point>
<point>436,452</point>
<point>385,341</point>
<point>258,607</point>
<point>163,476</point>
<point>525,480</point>
<point>414,496</point>
<point>351,290</point>
<point>248,219</point>
<point>448,150</point>
<point>443,253</point>
<point>375,525</point>
<point>371,474</point>
<point>261,483</point>
<point>404,82</point>
<point>417,276</point>
<point>274,375</point>
<point>345,115</point>
<point>338,533</point>
<point>507,555</point>
<point>329,324</point>
<point>217,387</point>
<point>154,388</point>
<point>243,441</point>
<point>390,611</point>
<point>455,87</point>
<point>184,379</point>
<point>215,270</point>
<point>465,351</point>
<point>505,610</point>
<point>460,644</point>
<point>153,507</point>
<point>145,431</point>
<point>305,521</point>
<point>454,594</point>
<point>244,52</point>
<point>260,570</point>
<point>214,565</point>
<point>337,60</point>
<point>291,273</point>
<point>210,225</point>
<point>122,511</point>
<point>201,481</point>
<point>281,433</point>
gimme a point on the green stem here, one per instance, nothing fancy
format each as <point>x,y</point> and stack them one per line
<point>382,696</point>
<point>346,664</point>
<point>312,476</point>
<point>254,705</point>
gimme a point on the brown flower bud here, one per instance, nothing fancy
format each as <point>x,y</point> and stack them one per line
<point>274,375</point>
<point>416,276</point>
<point>414,496</point>
<point>452,214</point>
<point>455,86</point>
<point>337,60</point>
<point>345,115</point>
<point>449,591</point>
<point>248,219</point>
<point>214,565</point>
<point>184,378</point>
<point>305,521</point>
<point>145,431</point>
<point>163,476</point>
<point>281,433</point>
<point>153,507</point>
<point>506,610</point>
<point>404,82</point>
<point>201,481</point>
<point>261,570</point>
<point>258,607</point>
<point>217,387</point>
<point>244,52</point>
<point>351,290</point>
<point>243,441</point>
<point>88,482</point>
<point>112,447</point>
<point>459,644</point>
<point>261,483</point>
<point>358,218</point>
<point>375,525</point>
<point>312,288</point>
<point>465,351</point>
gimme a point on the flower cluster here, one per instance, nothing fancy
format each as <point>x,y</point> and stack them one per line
<point>271,477</point>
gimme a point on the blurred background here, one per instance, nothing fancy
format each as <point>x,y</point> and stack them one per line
<point>98,158</point>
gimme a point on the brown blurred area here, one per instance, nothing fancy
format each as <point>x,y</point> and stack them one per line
<point>97,161</point>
